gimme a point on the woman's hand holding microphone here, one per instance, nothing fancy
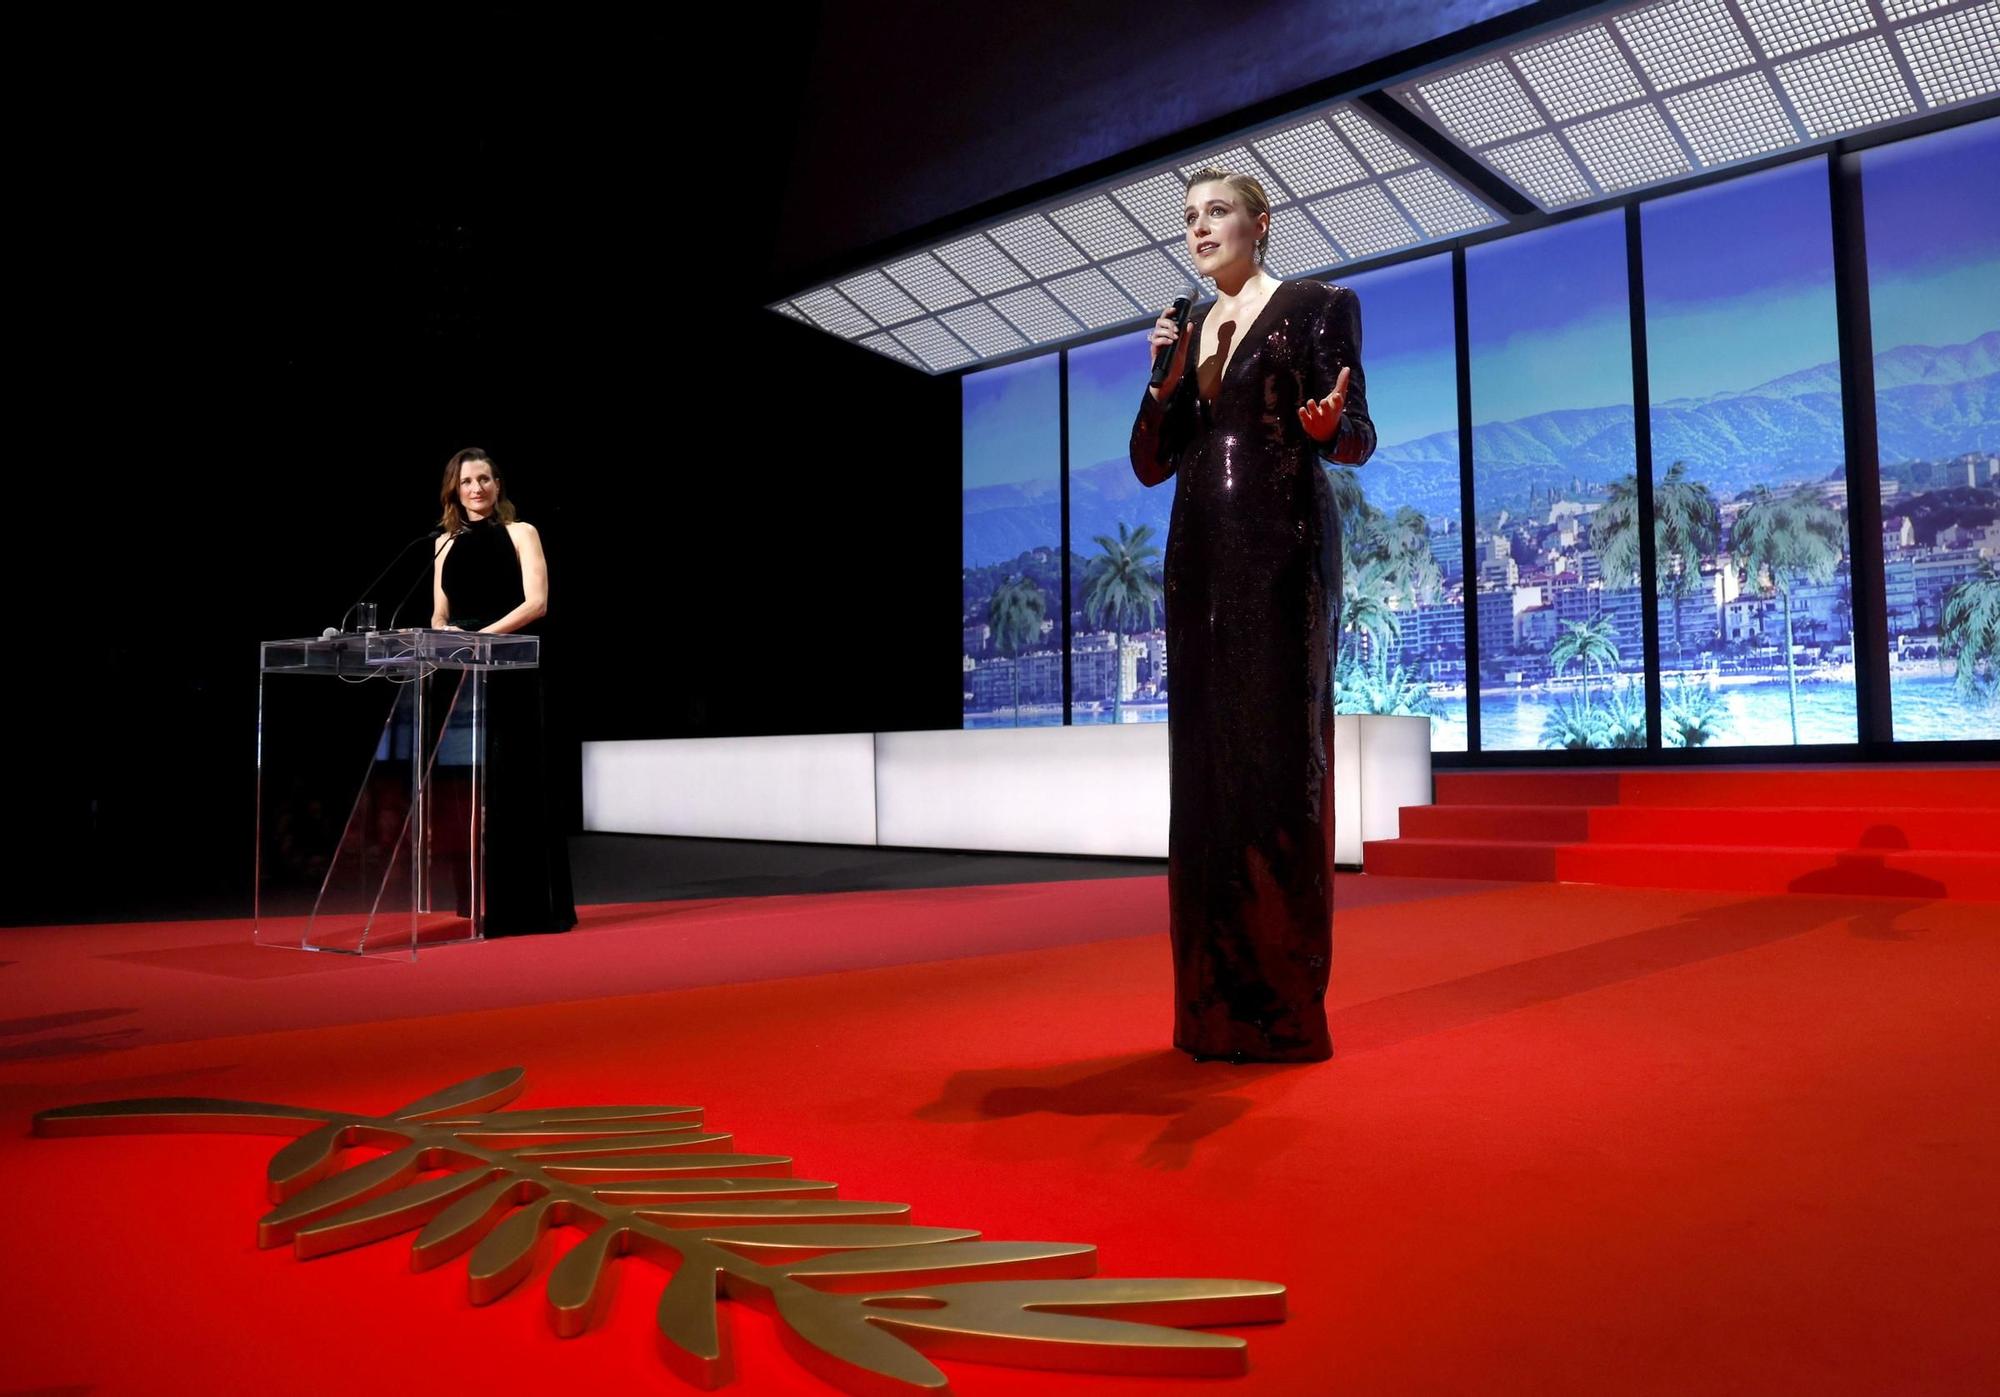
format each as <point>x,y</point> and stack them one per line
<point>1166,330</point>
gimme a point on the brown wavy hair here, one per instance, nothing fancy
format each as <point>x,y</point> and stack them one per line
<point>1248,188</point>
<point>453,518</point>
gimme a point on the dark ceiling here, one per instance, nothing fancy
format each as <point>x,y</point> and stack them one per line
<point>911,114</point>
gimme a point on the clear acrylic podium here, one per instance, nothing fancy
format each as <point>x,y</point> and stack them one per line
<point>372,788</point>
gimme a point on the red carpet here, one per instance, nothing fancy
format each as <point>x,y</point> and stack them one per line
<point>1931,832</point>
<point>1575,1140</point>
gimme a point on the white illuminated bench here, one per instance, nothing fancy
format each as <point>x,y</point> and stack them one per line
<point>1089,790</point>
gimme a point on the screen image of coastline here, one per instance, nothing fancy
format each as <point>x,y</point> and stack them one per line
<point>1753,567</point>
<point>1402,609</point>
<point>1118,541</point>
<point>1934,307</point>
<point>1011,549</point>
<point>1749,465</point>
<point>1561,623</point>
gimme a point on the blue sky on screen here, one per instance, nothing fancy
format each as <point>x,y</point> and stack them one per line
<point>1933,240</point>
<point>1754,252</point>
<point>1105,381</point>
<point>1549,320</point>
<point>1012,433</point>
<point>1406,348</point>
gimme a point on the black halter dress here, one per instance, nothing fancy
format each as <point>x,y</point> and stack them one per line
<point>1253,577</point>
<point>526,857</point>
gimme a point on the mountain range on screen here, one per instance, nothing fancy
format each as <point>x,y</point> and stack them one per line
<point>1931,402</point>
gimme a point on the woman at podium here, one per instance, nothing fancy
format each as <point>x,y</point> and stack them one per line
<point>490,575</point>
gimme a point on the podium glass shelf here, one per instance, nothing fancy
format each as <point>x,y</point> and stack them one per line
<point>372,787</point>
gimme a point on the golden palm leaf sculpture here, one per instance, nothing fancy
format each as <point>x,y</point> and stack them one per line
<point>864,1294</point>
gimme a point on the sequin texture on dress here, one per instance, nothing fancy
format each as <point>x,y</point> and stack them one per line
<point>1253,581</point>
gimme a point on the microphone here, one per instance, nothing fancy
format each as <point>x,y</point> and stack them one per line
<point>331,631</point>
<point>416,581</point>
<point>1164,355</point>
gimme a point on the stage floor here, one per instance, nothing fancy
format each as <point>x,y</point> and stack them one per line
<point>1574,1140</point>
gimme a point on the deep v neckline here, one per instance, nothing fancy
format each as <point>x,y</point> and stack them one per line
<point>1235,349</point>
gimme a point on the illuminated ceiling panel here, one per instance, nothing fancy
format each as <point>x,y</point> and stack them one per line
<point>1956,56</point>
<point>1156,202</point>
<point>886,343</point>
<point>1684,42</point>
<point>1634,97</point>
<point>935,345</point>
<point>1842,89</point>
<point>1363,221</point>
<point>1035,314</point>
<point>1148,277</point>
<point>1310,159</point>
<point>924,277</point>
<point>1090,297</point>
<point>1297,246</point>
<point>1787,26</point>
<point>1579,74</point>
<point>881,298</point>
<point>1236,158</point>
<point>1096,226</point>
<point>1384,153</point>
<point>1544,168</point>
<point>1654,92</point>
<point>1034,243</point>
<point>1732,120</point>
<point>1342,188</point>
<point>985,267</point>
<point>981,327</point>
<point>832,311</point>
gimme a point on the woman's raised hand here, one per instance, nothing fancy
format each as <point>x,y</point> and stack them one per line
<point>1321,419</point>
<point>1166,331</point>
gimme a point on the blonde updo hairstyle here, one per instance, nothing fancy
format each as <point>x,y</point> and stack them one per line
<point>1248,188</point>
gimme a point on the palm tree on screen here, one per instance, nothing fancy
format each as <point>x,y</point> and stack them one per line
<point>1349,500</point>
<point>1406,542</point>
<point>1121,593</point>
<point>1969,629</point>
<point>1364,603</point>
<point>1685,530</point>
<point>1790,539</point>
<point>1692,714</point>
<point>1015,617</point>
<point>1379,686</point>
<point>1592,644</point>
<point>1357,517</point>
<point>1614,533</point>
<point>1625,715</point>
<point>1572,727</point>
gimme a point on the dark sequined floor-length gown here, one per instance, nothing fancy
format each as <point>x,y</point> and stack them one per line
<point>1253,577</point>
<point>526,861</point>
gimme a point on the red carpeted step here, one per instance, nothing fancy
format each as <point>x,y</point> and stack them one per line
<point>1509,823</point>
<point>1895,831</point>
<point>1966,877</point>
<point>1527,787</point>
<point>1518,861</point>
<point>1881,828</point>
<point>1963,876</point>
<point>1965,786</point>
<point>1935,787</point>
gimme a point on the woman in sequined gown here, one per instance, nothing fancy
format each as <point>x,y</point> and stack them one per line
<point>1265,383</point>
<point>491,575</point>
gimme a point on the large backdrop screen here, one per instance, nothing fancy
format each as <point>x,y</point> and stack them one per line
<point>1731,291</point>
